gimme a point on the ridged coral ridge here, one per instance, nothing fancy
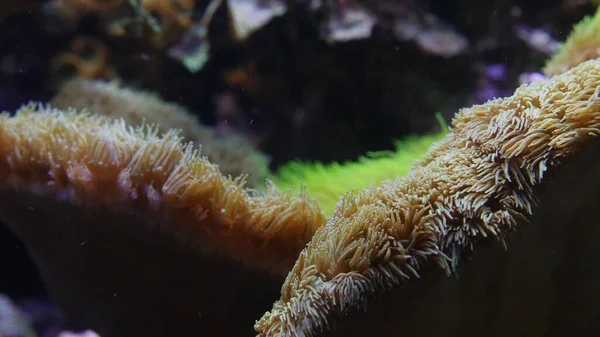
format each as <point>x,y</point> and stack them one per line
<point>86,159</point>
<point>478,184</point>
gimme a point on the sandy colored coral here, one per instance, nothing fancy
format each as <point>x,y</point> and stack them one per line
<point>135,234</point>
<point>91,159</point>
<point>476,186</point>
<point>234,155</point>
<point>581,45</point>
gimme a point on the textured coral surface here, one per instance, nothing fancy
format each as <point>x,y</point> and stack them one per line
<point>476,186</point>
<point>135,234</point>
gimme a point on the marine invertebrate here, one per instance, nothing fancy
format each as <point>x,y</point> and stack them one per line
<point>135,234</point>
<point>234,155</point>
<point>474,188</point>
<point>88,59</point>
<point>169,19</point>
<point>581,45</point>
<point>174,12</point>
<point>328,182</point>
<point>133,106</point>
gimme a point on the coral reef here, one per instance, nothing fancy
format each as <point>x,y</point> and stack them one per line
<point>328,82</point>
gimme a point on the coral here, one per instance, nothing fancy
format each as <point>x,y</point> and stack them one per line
<point>111,152</point>
<point>581,45</point>
<point>109,271</point>
<point>233,154</point>
<point>87,59</point>
<point>328,182</point>
<point>171,12</point>
<point>476,187</point>
<point>169,19</point>
<point>120,219</point>
<point>163,22</point>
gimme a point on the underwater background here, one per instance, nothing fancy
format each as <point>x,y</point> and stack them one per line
<point>312,96</point>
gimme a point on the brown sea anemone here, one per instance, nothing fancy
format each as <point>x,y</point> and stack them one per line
<point>476,188</point>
